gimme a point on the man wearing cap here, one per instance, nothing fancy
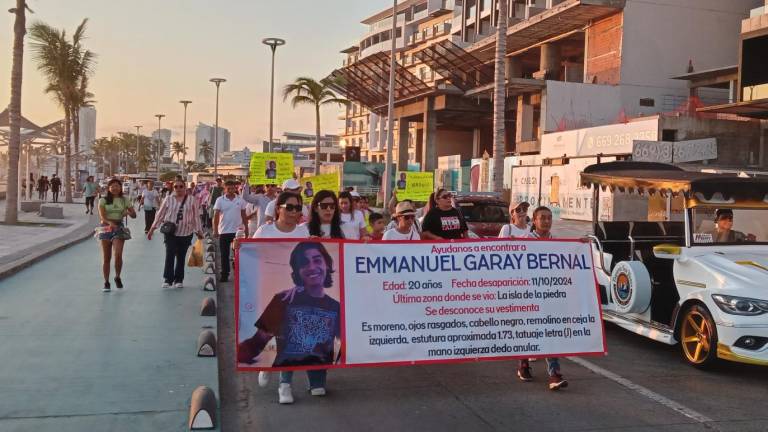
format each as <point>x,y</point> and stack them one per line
<point>518,217</point>
<point>724,233</point>
<point>293,186</point>
<point>404,215</point>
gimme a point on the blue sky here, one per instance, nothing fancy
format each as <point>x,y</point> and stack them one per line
<point>154,53</point>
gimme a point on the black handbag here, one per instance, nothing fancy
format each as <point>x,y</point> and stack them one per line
<point>168,227</point>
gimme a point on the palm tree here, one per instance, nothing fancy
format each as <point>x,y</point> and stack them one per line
<point>206,151</point>
<point>81,96</point>
<point>499,97</point>
<point>307,91</point>
<point>14,112</point>
<point>67,67</point>
<point>177,149</point>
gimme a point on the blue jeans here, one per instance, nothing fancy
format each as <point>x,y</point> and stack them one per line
<point>316,378</point>
<point>553,365</point>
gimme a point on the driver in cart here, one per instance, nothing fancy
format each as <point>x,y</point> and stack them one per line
<point>724,232</point>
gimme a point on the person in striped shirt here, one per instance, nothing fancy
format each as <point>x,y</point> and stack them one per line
<point>184,211</point>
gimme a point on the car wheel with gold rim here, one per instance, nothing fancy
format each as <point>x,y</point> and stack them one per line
<point>698,337</point>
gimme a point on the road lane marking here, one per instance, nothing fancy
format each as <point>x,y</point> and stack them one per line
<point>650,394</point>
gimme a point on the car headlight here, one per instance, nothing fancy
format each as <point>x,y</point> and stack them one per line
<point>740,305</point>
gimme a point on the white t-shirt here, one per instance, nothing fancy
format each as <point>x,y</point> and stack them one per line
<point>150,196</point>
<point>509,230</point>
<point>257,203</point>
<point>358,221</point>
<point>271,231</point>
<point>394,234</point>
<point>231,213</point>
<point>349,231</point>
<point>270,211</point>
<point>253,223</point>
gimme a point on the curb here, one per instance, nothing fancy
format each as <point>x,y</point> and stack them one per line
<point>71,239</point>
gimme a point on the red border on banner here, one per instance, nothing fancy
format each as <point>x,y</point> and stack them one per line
<point>343,358</point>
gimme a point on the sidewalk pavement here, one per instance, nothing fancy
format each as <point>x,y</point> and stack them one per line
<point>37,237</point>
<point>76,359</point>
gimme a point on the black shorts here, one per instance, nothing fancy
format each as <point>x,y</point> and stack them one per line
<point>89,201</point>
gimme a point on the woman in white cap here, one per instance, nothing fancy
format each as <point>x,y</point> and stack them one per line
<point>518,218</point>
<point>404,229</point>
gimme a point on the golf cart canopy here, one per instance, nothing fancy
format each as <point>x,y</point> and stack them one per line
<point>698,188</point>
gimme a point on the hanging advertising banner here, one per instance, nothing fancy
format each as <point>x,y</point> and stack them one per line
<point>313,184</point>
<point>415,186</point>
<point>270,168</point>
<point>312,304</point>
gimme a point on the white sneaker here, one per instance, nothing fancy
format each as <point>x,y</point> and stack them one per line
<point>166,285</point>
<point>284,393</point>
<point>178,285</point>
<point>319,391</point>
<point>263,379</point>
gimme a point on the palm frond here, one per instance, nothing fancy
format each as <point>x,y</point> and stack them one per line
<point>335,100</point>
<point>302,100</point>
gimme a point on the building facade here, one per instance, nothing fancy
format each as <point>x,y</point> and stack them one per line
<point>296,143</point>
<point>87,128</point>
<point>164,135</point>
<point>569,64</point>
<point>236,157</point>
<point>204,132</point>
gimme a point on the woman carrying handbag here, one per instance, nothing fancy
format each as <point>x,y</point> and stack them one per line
<point>178,218</point>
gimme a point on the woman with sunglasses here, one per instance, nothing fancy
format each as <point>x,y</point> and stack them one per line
<point>182,211</point>
<point>404,229</point>
<point>443,221</point>
<point>288,208</point>
<point>518,218</point>
<point>113,208</point>
<point>325,218</point>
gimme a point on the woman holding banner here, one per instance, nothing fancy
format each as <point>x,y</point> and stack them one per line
<point>304,321</point>
<point>541,229</point>
<point>404,219</point>
<point>288,214</point>
<point>443,221</point>
<point>325,218</point>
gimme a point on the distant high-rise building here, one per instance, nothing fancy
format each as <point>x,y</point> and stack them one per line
<point>203,132</point>
<point>87,128</point>
<point>165,137</point>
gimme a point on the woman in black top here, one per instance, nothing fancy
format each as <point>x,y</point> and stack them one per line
<point>443,221</point>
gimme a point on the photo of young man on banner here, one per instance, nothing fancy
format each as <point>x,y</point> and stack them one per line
<point>289,312</point>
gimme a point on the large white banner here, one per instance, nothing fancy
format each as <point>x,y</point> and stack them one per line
<point>312,304</point>
<point>422,302</point>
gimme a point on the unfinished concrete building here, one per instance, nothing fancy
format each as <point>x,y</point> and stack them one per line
<point>569,64</point>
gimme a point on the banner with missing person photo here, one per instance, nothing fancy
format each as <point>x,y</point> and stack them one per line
<point>310,304</point>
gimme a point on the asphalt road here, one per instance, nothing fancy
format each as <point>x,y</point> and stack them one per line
<point>641,385</point>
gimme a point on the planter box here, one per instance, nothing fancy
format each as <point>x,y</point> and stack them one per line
<point>52,212</point>
<point>30,206</point>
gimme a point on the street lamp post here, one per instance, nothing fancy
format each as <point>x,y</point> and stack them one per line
<point>218,82</point>
<point>138,149</point>
<point>159,143</point>
<point>391,109</point>
<point>184,138</point>
<point>273,43</point>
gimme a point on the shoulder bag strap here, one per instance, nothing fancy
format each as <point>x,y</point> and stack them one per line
<point>180,213</point>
